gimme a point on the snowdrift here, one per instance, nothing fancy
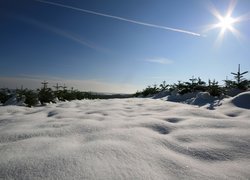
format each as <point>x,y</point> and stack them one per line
<point>196,98</point>
<point>125,139</point>
<point>15,101</point>
<point>242,100</point>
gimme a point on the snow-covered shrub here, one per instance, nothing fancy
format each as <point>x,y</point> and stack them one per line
<point>31,98</point>
<point>46,95</point>
<point>150,90</point>
<point>4,97</point>
<point>214,89</point>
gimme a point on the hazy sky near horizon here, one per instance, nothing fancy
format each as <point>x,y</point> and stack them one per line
<point>118,45</point>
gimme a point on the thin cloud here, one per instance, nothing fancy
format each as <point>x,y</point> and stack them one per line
<point>121,18</point>
<point>62,33</point>
<point>159,60</point>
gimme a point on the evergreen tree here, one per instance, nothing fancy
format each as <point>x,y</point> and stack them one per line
<point>213,88</point>
<point>31,98</point>
<point>163,86</point>
<point>4,96</point>
<point>46,95</point>
<point>240,83</point>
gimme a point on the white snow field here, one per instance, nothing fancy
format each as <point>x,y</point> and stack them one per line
<point>137,138</point>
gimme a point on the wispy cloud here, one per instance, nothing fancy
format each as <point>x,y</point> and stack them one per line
<point>62,33</point>
<point>121,18</point>
<point>159,60</point>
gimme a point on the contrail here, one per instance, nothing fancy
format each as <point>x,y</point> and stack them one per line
<point>121,18</point>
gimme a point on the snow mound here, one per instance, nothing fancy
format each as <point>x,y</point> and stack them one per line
<point>201,99</point>
<point>176,97</point>
<point>242,100</point>
<point>161,94</point>
<point>124,139</point>
<point>14,100</point>
<point>194,98</point>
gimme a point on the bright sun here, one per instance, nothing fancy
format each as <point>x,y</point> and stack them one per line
<point>225,23</point>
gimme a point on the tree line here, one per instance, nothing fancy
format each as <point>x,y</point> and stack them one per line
<point>48,95</point>
<point>197,85</point>
<point>61,93</point>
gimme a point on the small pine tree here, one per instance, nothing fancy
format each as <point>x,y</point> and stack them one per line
<point>163,86</point>
<point>240,83</point>
<point>200,85</point>
<point>213,88</point>
<point>4,97</point>
<point>31,98</point>
<point>46,95</point>
<point>150,90</point>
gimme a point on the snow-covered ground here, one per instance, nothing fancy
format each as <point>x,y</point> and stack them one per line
<point>126,139</point>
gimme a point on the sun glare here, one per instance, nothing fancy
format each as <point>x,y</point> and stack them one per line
<point>225,23</point>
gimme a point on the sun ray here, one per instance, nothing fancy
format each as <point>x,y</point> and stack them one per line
<point>231,7</point>
<point>227,22</point>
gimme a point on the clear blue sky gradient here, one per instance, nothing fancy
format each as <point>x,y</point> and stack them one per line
<point>38,39</point>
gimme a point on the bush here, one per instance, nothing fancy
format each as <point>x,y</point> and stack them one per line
<point>189,87</point>
<point>163,86</point>
<point>150,90</point>
<point>214,89</point>
<point>4,97</point>
<point>31,98</point>
<point>46,95</point>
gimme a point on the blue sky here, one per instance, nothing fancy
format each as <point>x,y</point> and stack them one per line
<point>42,41</point>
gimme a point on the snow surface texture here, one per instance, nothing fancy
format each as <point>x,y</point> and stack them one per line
<point>196,98</point>
<point>126,139</point>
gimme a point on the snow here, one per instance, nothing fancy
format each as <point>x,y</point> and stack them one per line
<point>242,100</point>
<point>136,138</point>
<point>15,101</point>
<point>195,98</point>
